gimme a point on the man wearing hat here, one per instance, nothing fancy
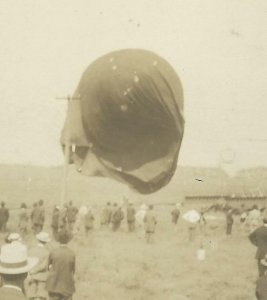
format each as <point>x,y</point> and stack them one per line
<point>259,239</point>
<point>150,223</point>
<point>14,268</point>
<point>38,275</point>
<point>131,217</point>
<point>61,261</point>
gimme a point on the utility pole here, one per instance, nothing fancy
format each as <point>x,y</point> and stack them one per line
<point>67,149</point>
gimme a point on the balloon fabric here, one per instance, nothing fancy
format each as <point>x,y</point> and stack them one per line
<point>128,123</point>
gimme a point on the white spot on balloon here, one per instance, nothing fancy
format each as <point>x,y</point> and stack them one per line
<point>127,91</point>
<point>114,67</point>
<point>155,63</point>
<point>124,107</point>
<point>136,78</point>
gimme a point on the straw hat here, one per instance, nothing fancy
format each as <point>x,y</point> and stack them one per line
<point>14,237</point>
<point>14,259</point>
<point>43,237</point>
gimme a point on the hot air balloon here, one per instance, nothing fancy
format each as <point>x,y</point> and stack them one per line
<point>128,124</point>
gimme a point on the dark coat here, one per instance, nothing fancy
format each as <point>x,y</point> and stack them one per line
<point>71,214</point>
<point>130,214</point>
<point>229,218</point>
<point>117,216</point>
<point>11,294</point>
<point>55,219</point>
<point>38,215</point>
<point>259,238</point>
<point>60,279</point>
<point>23,219</point>
<point>4,214</point>
<point>261,288</point>
<point>106,215</point>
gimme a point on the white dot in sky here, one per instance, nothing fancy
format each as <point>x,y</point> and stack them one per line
<point>111,59</point>
<point>114,67</point>
<point>155,63</point>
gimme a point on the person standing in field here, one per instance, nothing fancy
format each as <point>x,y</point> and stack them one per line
<point>261,284</point>
<point>63,221</point>
<point>23,219</point>
<point>34,216</point>
<point>71,215</point>
<point>42,215</point>
<point>202,221</point>
<point>106,215</point>
<point>150,224</point>
<point>117,217</point>
<point>139,216</point>
<point>229,221</point>
<point>259,239</point>
<point>175,215</point>
<point>4,217</point>
<point>131,217</point>
<point>88,221</point>
<point>61,268</point>
<point>55,221</point>
<point>38,275</point>
<point>38,217</point>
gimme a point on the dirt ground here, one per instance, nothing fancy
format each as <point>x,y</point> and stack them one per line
<point>121,265</point>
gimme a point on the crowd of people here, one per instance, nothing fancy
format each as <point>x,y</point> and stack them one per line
<point>75,220</point>
<point>52,274</point>
<point>42,272</point>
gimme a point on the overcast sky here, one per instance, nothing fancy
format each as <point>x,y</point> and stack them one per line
<point>217,47</point>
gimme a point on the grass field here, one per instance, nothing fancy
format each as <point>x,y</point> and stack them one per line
<point>121,265</point>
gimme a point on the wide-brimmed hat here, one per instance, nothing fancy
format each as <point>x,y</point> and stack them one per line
<point>14,236</point>
<point>43,237</point>
<point>14,259</point>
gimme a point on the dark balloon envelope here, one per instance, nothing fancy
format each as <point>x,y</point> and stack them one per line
<point>128,123</point>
